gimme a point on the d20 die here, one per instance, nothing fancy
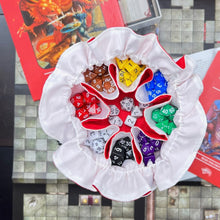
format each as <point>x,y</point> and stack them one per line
<point>115,120</point>
<point>98,145</point>
<point>130,121</point>
<point>136,112</point>
<point>127,104</point>
<point>94,109</point>
<point>114,110</point>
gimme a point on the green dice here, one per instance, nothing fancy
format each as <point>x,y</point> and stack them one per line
<point>157,116</point>
<point>164,118</point>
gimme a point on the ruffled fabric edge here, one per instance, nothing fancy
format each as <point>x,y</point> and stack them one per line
<point>68,72</point>
<point>92,172</point>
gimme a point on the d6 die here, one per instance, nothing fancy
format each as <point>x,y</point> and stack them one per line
<point>130,121</point>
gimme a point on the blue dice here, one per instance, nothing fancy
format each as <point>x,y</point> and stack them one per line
<point>157,86</point>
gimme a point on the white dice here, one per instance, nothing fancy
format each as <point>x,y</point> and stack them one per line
<point>115,120</point>
<point>127,104</point>
<point>98,145</point>
<point>130,121</point>
<point>136,112</point>
<point>114,110</point>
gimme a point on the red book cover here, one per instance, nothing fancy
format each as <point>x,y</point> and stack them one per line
<point>207,162</point>
<point>43,29</point>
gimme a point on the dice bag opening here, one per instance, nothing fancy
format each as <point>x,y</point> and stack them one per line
<point>148,115</point>
<point>142,94</point>
<point>78,163</point>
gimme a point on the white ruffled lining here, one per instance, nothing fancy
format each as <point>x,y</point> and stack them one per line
<point>92,171</point>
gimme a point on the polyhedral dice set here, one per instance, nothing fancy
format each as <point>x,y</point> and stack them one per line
<point>126,114</point>
<point>100,79</point>
<point>86,105</point>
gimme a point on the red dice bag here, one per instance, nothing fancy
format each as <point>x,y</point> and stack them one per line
<point>94,171</point>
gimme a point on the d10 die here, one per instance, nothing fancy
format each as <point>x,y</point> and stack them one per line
<point>114,110</point>
<point>136,112</point>
<point>127,104</point>
<point>115,120</point>
<point>130,121</point>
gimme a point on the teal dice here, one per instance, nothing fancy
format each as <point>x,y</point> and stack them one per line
<point>164,118</point>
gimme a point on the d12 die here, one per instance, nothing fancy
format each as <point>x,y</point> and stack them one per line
<point>89,98</point>
<point>115,120</point>
<point>130,121</point>
<point>127,104</point>
<point>98,145</point>
<point>114,110</point>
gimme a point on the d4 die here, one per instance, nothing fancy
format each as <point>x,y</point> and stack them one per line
<point>136,112</point>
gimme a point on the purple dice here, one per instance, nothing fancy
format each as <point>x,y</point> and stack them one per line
<point>157,144</point>
<point>147,148</point>
<point>148,158</point>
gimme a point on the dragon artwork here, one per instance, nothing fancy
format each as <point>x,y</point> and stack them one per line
<point>54,25</point>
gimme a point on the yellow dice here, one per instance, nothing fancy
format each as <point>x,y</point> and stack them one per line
<point>121,63</point>
<point>127,82</point>
<point>121,75</point>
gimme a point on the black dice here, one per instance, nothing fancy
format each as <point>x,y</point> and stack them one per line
<point>121,150</point>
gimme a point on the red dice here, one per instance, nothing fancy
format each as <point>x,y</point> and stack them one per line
<point>94,109</point>
<point>86,105</point>
<point>77,100</point>
<point>89,98</point>
<point>82,113</point>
